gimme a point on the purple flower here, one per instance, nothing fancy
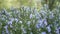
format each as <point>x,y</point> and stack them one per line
<point>40,23</point>
<point>58,30</point>
<point>38,26</point>
<point>31,16</point>
<point>45,21</point>
<point>51,15</point>
<point>16,19</point>
<point>10,22</point>
<point>6,28</point>
<point>43,32</point>
<point>49,29</point>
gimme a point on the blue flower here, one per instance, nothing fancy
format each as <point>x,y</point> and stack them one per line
<point>31,15</point>
<point>48,28</point>
<point>40,23</point>
<point>45,21</point>
<point>38,26</point>
<point>51,15</point>
<point>43,32</point>
<point>6,28</point>
<point>58,30</point>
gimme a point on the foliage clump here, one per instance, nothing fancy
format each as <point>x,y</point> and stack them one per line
<point>28,20</point>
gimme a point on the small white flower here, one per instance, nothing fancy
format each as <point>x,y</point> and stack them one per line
<point>20,22</point>
<point>11,26</point>
<point>11,19</point>
<point>29,28</point>
<point>28,22</point>
<point>6,27</point>
<point>59,16</point>
<point>3,18</point>
<point>31,33</point>
<point>24,31</point>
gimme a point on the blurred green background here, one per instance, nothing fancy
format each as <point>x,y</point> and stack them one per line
<point>31,3</point>
<point>18,3</point>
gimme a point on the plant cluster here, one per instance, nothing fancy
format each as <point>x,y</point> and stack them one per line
<point>28,20</point>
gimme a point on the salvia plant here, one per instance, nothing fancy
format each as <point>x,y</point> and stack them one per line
<point>28,20</point>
